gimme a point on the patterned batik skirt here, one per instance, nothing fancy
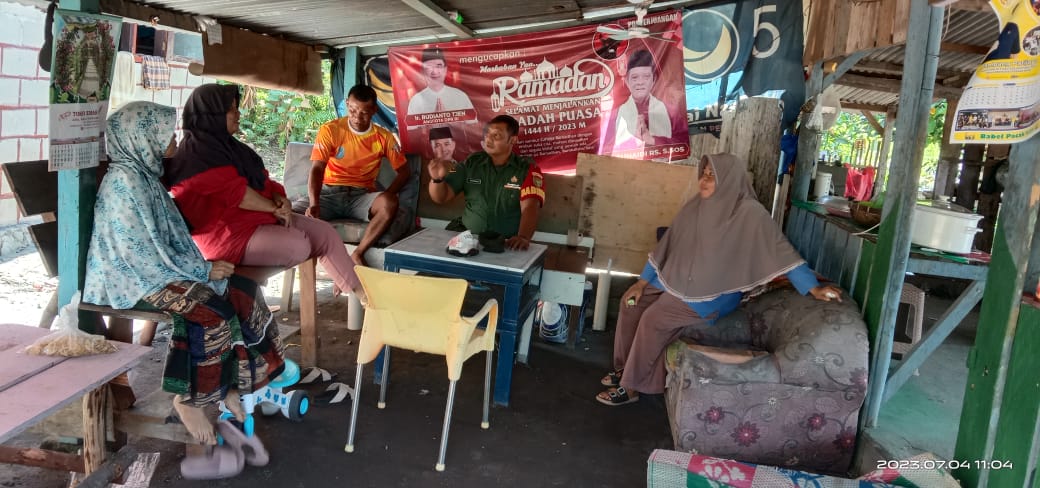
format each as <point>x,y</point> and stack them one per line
<point>218,342</point>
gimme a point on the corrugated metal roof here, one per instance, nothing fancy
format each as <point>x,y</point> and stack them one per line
<point>359,22</point>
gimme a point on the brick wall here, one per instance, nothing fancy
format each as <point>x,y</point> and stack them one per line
<point>23,94</point>
<point>24,108</point>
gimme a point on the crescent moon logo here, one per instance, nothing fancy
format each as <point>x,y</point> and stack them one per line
<point>710,44</point>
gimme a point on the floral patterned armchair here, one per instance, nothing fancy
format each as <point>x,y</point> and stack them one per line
<point>780,382</point>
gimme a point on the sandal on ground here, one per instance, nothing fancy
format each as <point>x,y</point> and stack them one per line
<point>221,462</point>
<point>616,396</point>
<point>612,379</point>
<point>252,448</point>
<point>335,393</point>
<point>316,374</point>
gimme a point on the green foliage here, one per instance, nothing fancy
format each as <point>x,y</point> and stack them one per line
<point>277,117</point>
<point>850,127</point>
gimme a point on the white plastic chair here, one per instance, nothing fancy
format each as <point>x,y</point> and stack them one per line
<point>422,314</point>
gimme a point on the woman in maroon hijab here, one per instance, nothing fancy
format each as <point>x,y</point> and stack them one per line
<point>235,211</point>
<point>721,244</point>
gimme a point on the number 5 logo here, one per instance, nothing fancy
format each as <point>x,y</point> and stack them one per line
<point>761,25</point>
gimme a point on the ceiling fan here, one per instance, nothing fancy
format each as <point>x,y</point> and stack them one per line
<point>636,30</point>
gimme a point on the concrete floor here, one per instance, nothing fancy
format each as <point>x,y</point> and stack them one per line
<point>553,434</point>
<point>925,413</point>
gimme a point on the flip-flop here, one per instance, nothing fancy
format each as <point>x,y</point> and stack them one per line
<point>616,396</point>
<point>313,375</point>
<point>612,379</point>
<point>220,462</point>
<point>252,448</point>
<point>335,393</point>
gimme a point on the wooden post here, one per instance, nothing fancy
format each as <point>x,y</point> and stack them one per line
<point>77,192</point>
<point>808,140</point>
<point>949,155</point>
<point>308,322</point>
<point>989,405</point>
<point>967,191</point>
<point>886,142</point>
<point>988,206</point>
<point>893,247</point>
<point>95,407</point>
<point>753,134</point>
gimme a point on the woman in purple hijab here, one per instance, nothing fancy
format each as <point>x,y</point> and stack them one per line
<point>721,244</point>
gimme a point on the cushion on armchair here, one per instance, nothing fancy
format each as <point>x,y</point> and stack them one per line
<point>794,398</point>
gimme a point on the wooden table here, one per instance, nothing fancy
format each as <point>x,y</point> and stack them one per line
<point>425,252</point>
<point>34,387</point>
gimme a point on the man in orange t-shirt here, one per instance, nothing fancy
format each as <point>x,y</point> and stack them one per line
<point>345,163</point>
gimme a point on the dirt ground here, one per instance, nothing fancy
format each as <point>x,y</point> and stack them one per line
<point>553,433</point>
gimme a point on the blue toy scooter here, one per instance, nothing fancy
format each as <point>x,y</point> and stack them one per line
<point>271,399</point>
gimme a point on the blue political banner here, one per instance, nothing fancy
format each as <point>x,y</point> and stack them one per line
<point>738,49</point>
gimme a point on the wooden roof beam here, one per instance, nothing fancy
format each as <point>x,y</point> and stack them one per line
<point>963,48</point>
<point>897,69</point>
<point>438,15</point>
<point>873,122</point>
<point>891,85</point>
<point>869,107</point>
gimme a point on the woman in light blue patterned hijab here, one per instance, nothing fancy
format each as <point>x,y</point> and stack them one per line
<point>223,340</point>
<point>140,241</point>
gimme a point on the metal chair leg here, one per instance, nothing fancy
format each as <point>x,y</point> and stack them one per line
<point>484,424</point>
<point>386,377</point>
<point>447,425</point>
<point>354,409</point>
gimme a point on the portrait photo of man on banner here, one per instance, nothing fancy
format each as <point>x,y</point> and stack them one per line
<point>613,89</point>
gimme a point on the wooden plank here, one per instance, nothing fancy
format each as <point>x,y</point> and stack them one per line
<point>838,32</point>
<point>36,398</point>
<point>625,228</point>
<point>794,228</point>
<point>833,243</point>
<point>308,315</point>
<point>35,189</point>
<point>132,313</point>
<point>886,20</point>
<point>152,416</point>
<point>16,365</point>
<point>894,237</point>
<point>901,22</point>
<point>111,470</point>
<point>41,458</point>
<point>45,236</point>
<point>1016,442</point>
<point>850,263</point>
<point>139,474</point>
<point>987,395</point>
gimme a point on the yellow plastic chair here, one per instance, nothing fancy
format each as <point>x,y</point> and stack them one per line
<point>422,314</point>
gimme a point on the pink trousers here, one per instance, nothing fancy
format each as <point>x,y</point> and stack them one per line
<point>305,238</point>
<point>643,332</point>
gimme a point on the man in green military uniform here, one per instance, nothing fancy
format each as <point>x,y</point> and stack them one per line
<point>504,192</point>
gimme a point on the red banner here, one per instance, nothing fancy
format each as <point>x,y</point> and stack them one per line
<point>612,89</point>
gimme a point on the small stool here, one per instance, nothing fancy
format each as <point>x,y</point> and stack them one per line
<point>913,297</point>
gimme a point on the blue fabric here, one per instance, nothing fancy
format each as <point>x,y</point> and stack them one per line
<point>140,242</point>
<point>801,277</point>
